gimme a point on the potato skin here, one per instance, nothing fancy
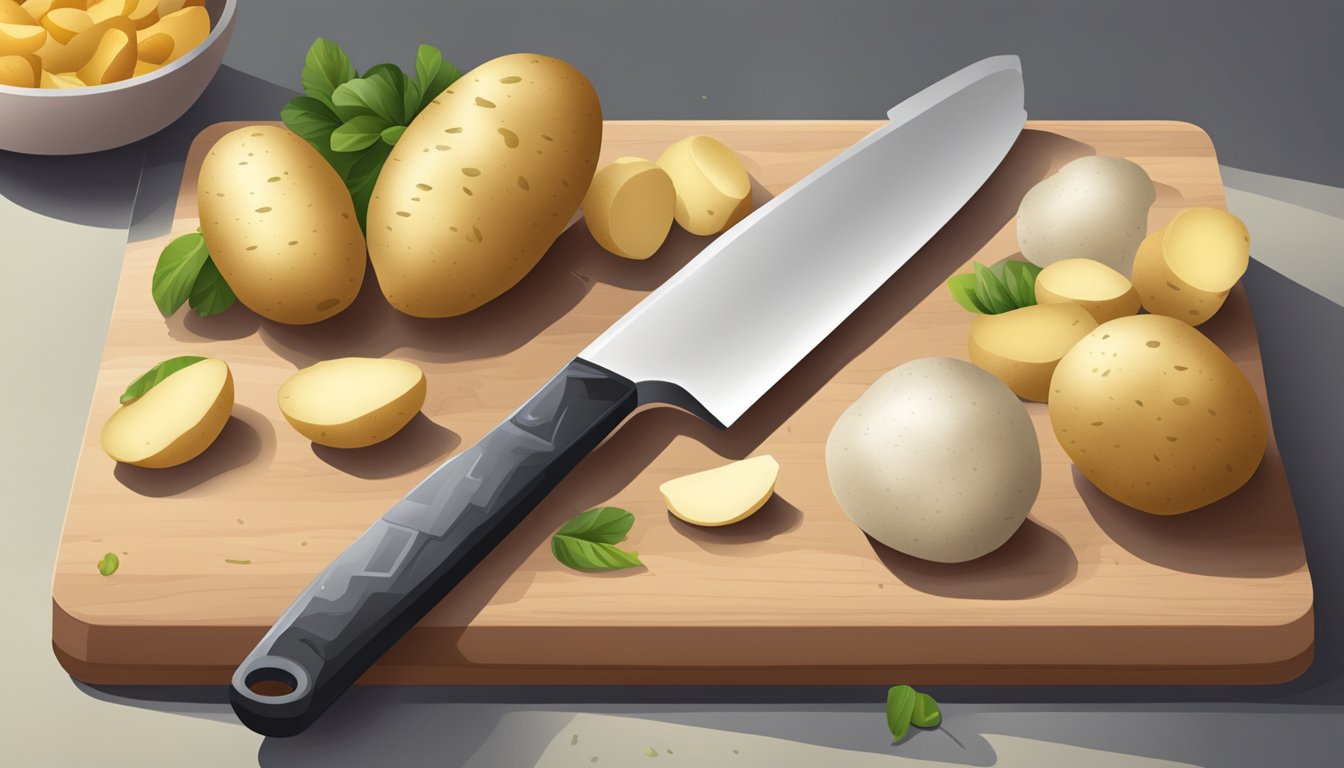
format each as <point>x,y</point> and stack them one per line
<point>280,225</point>
<point>192,440</point>
<point>482,183</point>
<point>1022,347</point>
<point>712,186</point>
<point>629,207</point>
<point>1205,237</point>
<point>1156,415</point>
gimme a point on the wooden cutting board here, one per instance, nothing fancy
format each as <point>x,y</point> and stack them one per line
<point>1087,591</point>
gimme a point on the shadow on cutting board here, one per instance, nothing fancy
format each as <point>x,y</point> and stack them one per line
<point>246,439</point>
<point>418,444</point>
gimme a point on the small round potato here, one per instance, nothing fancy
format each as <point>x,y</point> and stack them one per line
<point>1021,347</point>
<point>713,188</point>
<point>629,207</point>
<point>280,225</point>
<point>1103,292</point>
<point>175,421</point>
<point>1156,415</point>
<point>722,495</point>
<point>1093,208</point>
<point>353,401</point>
<point>937,459</point>
<point>1186,269</point>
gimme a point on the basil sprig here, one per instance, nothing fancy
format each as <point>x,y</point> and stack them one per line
<point>586,543</point>
<point>907,707</point>
<point>994,290</point>
<point>354,120</point>
<point>185,274</point>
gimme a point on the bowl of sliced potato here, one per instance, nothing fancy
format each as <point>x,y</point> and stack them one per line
<point>82,76</point>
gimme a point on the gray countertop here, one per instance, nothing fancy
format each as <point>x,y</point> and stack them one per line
<point>1258,78</point>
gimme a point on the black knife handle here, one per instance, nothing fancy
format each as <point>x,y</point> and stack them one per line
<point>420,549</point>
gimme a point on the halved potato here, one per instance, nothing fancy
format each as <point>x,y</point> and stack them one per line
<point>1103,292</point>
<point>1023,346</point>
<point>722,495</point>
<point>353,401</point>
<point>1186,269</point>
<point>64,23</point>
<point>21,70</point>
<point>70,57</point>
<point>712,186</point>
<point>629,207</point>
<point>174,34</point>
<point>112,61</point>
<point>175,421</point>
<point>20,32</point>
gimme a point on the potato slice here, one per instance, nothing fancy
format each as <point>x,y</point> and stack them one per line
<point>112,61</point>
<point>71,56</point>
<point>713,188</point>
<point>175,421</point>
<point>1103,292</point>
<point>629,207</point>
<point>102,10</point>
<point>723,495</point>
<point>144,13</point>
<point>1185,269</point>
<point>20,71</point>
<point>143,67</point>
<point>1023,346</point>
<point>61,80</point>
<point>353,401</point>
<point>64,23</point>
<point>173,6</point>
<point>39,8</point>
<point>186,29</point>
<point>18,39</point>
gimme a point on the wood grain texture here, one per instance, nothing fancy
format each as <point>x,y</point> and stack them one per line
<point>1087,591</point>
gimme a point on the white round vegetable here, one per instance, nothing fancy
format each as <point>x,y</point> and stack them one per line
<point>1093,208</point>
<point>937,459</point>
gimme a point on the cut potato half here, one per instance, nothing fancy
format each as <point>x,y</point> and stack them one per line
<point>712,186</point>
<point>1103,292</point>
<point>353,402</point>
<point>175,421</point>
<point>723,495</point>
<point>1186,269</point>
<point>1023,346</point>
<point>629,207</point>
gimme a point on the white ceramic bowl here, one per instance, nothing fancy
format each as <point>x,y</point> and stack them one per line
<point>41,121</point>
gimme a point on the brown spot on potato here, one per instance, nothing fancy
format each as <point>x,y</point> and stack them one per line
<point>522,183</point>
<point>547,138</point>
<point>293,242</point>
<point>1139,403</point>
<point>1173,286</point>
<point>510,138</point>
<point>1153,344</point>
<point>424,187</point>
<point>273,179</point>
<point>250,248</point>
<point>452,130</point>
<point>1181,400</point>
<point>477,234</point>
<point>472,172</point>
<point>1180,367</point>
<point>484,103</point>
<point>404,214</point>
<point>1097,423</point>
<point>264,209</point>
<point>441,147</point>
<point>466,191</point>
<point>327,304</point>
<point>1171,438</point>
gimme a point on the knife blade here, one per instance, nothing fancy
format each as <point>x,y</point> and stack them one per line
<point>712,339</point>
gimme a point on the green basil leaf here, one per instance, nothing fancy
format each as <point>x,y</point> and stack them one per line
<point>591,556</point>
<point>325,68</point>
<point>393,81</point>
<point>392,134</point>
<point>109,564</point>
<point>179,264</point>
<point>358,133</point>
<point>585,542</point>
<point>211,294</point>
<point>991,290</point>
<point>900,709</point>
<point>378,94</point>
<point>926,713</point>
<point>433,74</point>
<point>155,376</point>
<point>962,288</point>
<point>608,525</point>
<point>310,119</point>
<point>361,176</point>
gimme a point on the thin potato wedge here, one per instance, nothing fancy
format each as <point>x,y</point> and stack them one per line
<point>64,23</point>
<point>186,29</point>
<point>74,55</point>
<point>1103,292</point>
<point>113,60</point>
<point>1023,346</point>
<point>20,70</point>
<point>353,402</point>
<point>723,495</point>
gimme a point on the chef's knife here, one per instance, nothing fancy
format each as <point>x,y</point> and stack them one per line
<point>712,339</point>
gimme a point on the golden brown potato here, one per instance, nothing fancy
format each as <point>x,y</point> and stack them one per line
<point>61,80</point>
<point>64,23</point>
<point>629,207</point>
<point>280,225</point>
<point>481,183</point>
<point>712,186</point>
<point>174,35</point>
<point>1023,346</point>
<point>1186,269</point>
<point>1103,292</point>
<point>72,56</point>
<point>20,32</point>
<point>1156,415</point>
<point>20,70</point>
<point>112,61</point>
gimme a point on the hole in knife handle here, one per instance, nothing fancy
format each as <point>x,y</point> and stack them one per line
<point>270,682</point>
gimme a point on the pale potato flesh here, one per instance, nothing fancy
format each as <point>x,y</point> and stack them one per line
<point>722,495</point>
<point>112,60</point>
<point>1156,415</point>
<point>713,190</point>
<point>280,225</point>
<point>175,421</point>
<point>1103,292</point>
<point>1021,347</point>
<point>629,207</point>
<point>1186,269</point>
<point>353,402</point>
<point>21,71</point>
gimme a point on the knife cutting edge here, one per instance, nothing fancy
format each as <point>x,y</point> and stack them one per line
<point>712,339</point>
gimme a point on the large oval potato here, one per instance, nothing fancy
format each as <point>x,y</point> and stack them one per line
<point>1023,346</point>
<point>280,225</point>
<point>937,459</point>
<point>175,421</point>
<point>481,183</point>
<point>1156,415</point>
<point>354,401</point>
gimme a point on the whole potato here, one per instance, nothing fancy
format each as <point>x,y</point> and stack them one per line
<point>280,225</point>
<point>937,459</point>
<point>1156,415</point>
<point>481,183</point>
<point>1093,208</point>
